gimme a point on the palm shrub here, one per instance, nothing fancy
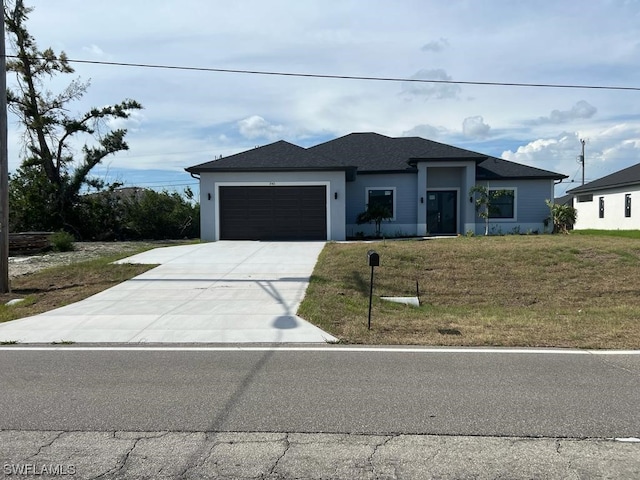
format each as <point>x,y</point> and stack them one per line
<point>564,217</point>
<point>375,213</point>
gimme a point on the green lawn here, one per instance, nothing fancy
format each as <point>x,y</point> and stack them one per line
<point>577,290</point>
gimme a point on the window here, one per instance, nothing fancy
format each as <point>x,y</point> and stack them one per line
<point>585,198</point>
<point>601,207</point>
<point>627,205</point>
<point>384,197</point>
<point>502,203</point>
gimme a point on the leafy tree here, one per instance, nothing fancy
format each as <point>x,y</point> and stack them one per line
<point>162,215</point>
<point>563,216</point>
<point>100,215</point>
<point>31,197</point>
<point>51,176</point>
<point>484,202</point>
<point>376,213</point>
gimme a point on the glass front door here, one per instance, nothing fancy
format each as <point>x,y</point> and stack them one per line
<point>442,210</point>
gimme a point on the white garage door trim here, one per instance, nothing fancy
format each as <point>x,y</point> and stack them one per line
<point>217,186</point>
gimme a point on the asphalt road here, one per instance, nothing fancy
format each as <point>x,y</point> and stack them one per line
<point>332,390</point>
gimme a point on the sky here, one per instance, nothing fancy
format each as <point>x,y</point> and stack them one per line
<point>192,117</point>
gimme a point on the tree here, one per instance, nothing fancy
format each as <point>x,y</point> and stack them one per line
<point>51,176</point>
<point>376,213</point>
<point>484,202</point>
<point>162,215</point>
<point>563,216</point>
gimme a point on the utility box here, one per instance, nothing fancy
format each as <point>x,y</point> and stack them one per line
<point>374,258</point>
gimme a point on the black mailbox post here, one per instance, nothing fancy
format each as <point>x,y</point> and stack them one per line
<point>374,258</point>
<point>374,261</point>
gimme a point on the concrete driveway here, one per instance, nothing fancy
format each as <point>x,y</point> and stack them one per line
<point>230,292</point>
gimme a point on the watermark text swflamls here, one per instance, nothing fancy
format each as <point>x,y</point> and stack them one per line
<point>50,469</point>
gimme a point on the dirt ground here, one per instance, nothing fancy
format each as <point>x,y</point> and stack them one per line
<point>25,264</point>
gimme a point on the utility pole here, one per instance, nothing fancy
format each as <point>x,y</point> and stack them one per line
<point>581,158</point>
<point>4,167</point>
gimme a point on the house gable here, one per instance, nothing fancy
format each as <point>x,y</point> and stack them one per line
<point>375,153</point>
<point>277,156</point>
<point>623,178</point>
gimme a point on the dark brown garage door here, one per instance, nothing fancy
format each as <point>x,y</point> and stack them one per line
<point>273,213</point>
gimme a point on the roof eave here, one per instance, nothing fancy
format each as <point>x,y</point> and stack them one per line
<point>522,177</point>
<point>373,172</point>
<point>415,160</point>
<point>269,169</point>
<point>595,188</point>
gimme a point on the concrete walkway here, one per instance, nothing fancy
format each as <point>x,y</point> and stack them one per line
<point>230,292</point>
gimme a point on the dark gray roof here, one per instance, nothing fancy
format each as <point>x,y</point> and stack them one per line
<point>372,152</point>
<point>276,156</point>
<point>564,200</point>
<point>496,168</point>
<point>622,178</point>
<point>368,153</point>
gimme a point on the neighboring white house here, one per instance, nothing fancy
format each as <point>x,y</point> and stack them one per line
<point>282,191</point>
<point>609,203</point>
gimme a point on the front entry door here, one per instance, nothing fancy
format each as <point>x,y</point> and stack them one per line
<point>442,208</point>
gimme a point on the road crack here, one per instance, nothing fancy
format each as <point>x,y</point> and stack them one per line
<point>117,470</point>
<point>376,447</point>
<point>46,445</point>
<point>287,446</point>
<point>202,457</point>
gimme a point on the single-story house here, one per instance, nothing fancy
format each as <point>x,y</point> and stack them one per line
<point>282,191</point>
<point>606,203</point>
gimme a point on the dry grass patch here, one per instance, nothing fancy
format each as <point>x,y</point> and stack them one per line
<point>555,291</point>
<point>65,284</point>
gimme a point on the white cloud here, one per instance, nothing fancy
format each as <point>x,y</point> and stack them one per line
<point>94,51</point>
<point>256,127</point>
<point>581,110</point>
<point>133,123</point>
<point>435,45</point>
<point>606,151</point>
<point>475,127</point>
<point>438,91</point>
<point>426,131</point>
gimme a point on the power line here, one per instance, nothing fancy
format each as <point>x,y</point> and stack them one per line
<point>351,77</point>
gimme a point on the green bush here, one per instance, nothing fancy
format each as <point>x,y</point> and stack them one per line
<point>109,214</point>
<point>62,241</point>
<point>161,216</point>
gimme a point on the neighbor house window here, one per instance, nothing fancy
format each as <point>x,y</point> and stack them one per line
<point>627,205</point>
<point>384,197</point>
<point>502,203</point>
<point>585,198</point>
<point>601,207</point>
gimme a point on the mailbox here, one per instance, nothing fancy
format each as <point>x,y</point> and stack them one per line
<point>374,258</point>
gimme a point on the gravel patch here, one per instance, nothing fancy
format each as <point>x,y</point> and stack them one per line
<point>24,265</point>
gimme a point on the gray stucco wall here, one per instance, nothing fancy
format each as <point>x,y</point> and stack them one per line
<point>531,209</point>
<point>405,197</point>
